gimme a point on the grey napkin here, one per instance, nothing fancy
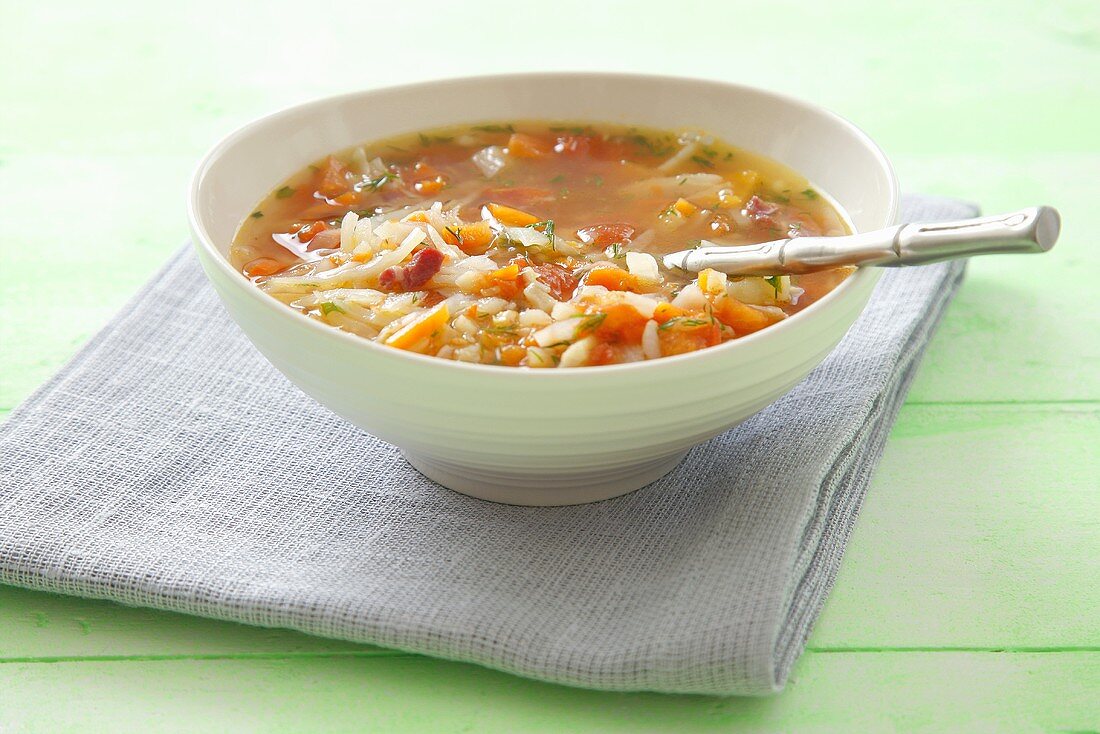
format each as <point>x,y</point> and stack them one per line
<point>168,465</point>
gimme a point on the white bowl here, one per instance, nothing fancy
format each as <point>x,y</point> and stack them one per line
<point>540,437</point>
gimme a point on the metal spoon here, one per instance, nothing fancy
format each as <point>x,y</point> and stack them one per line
<point>1026,231</point>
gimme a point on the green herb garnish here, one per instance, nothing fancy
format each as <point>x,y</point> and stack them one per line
<point>284,192</point>
<point>702,161</point>
<point>257,214</point>
<point>494,128</point>
<point>546,226</point>
<point>557,179</point>
<point>425,141</point>
<point>590,323</point>
<point>328,307</point>
<point>710,152</point>
<point>574,129</point>
<point>456,233</point>
<point>653,148</point>
<point>809,193</point>
<point>597,180</point>
<point>377,183</point>
<point>775,283</point>
<point>682,321</point>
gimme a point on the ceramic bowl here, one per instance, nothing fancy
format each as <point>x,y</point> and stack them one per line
<point>540,437</point>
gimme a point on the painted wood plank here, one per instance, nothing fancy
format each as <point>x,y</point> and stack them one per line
<point>849,692</point>
<point>981,529</point>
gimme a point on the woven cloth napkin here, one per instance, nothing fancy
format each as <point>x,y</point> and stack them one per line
<point>169,465</point>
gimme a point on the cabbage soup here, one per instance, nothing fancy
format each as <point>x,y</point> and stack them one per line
<point>533,244</point>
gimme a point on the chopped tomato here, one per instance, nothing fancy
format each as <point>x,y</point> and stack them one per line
<point>688,335</point>
<point>522,145</point>
<point>519,196</point>
<point>347,199</point>
<point>561,281</point>
<point>602,353</point>
<point>574,145</point>
<point>324,240</point>
<point>332,178</point>
<point>603,235</point>
<point>430,299</point>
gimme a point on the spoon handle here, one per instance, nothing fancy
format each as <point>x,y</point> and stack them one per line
<point>1026,231</point>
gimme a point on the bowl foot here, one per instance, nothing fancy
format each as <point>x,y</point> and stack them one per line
<point>544,489</point>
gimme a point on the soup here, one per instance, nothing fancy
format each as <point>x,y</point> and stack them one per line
<point>533,245</point>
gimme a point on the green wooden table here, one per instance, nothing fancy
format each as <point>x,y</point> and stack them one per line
<point>969,598</point>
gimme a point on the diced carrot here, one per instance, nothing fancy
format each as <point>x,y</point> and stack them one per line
<point>308,231</point>
<point>262,266</point>
<point>346,199</point>
<point>743,319</point>
<point>623,323</point>
<point>362,257</point>
<point>615,279</point>
<point>417,217</point>
<point>666,311</point>
<point>729,200</point>
<point>511,217</point>
<point>512,354</point>
<point>430,186</point>
<point>684,207</point>
<point>521,145</point>
<point>411,334</point>
<point>474,239</point>
<point>508,272</point>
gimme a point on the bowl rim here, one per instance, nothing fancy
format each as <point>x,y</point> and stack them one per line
<point>748,341</point>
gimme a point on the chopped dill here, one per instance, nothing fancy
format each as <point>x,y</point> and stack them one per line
<point>256,214</point>
<point>558,179</point>
<point>775,283</point>
<point>546,226</point>
<point>809,194</point>
<point>590,323</point>
<point>425,140</point>
<point>597,180</point>
<point>682,321</point>
<point>494,128</point>
<point>284,192</point>
<point>706,163</point>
